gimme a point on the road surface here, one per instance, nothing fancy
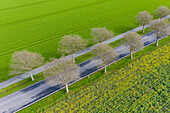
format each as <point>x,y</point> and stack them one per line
<point>40,90</point>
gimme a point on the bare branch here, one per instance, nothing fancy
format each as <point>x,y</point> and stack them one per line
<point>101,34</point>
<point>25,61</point>
<point>144,18</point>
<point>71,44</point>
<point>161,28</point>
<point>64,69</point>
<point>162,11</point>
<point>134,42</point>
<point>105,53</point>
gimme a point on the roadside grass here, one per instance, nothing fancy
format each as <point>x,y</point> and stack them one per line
<point>147,30</point>
<point>76,87</point>
<point>40,32</point>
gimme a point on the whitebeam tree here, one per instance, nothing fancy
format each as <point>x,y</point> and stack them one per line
<point>161,28</point>
<point>25,61</point>
<point>134,42</point>
<point>64,69</point>
<point>101,34</point>
<point>106,53</point>
<point>144,18</point>
<point>162,12</point>
<point>70,44</point>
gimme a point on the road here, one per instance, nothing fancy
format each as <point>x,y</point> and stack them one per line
<point>42,68</point>
<point>40,90</point>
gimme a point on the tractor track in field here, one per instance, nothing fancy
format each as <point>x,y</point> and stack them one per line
<point>90,4</point>
<point>21,6</point>
<point>71,31</point>
<point>50,14</point>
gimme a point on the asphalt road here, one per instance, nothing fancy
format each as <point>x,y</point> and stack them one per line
<point>38,91</point>
<point>42,68</point>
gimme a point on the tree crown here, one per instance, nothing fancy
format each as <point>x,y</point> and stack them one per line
<point>160,26</point>
<point>24,61</point>
<point>144,18</point>
<point>134,41</point>
<point>71,44</point>
<point>105,52</point>
<point>64,69</point>
<point>162,11</point>
<point>101,34</point>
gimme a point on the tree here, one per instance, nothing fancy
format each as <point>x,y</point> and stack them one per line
<point>101,34</point>
<point>160,26</point>
<point>64,69</point>
<point>105,52</point>
<point>168,31</point>
<point>71,44</point>
<point>134,42</point>
<point>25,61</point>
<point>162,11</point>
<point>144,18</point>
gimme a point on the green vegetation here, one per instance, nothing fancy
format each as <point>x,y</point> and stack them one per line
<point>27,82</point>
<point>78,86</point>
<point>24,25</point>
<point>142,86</point>
<point>20,85</point>
<point>147,30</point>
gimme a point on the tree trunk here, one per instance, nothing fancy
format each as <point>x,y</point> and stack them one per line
<point>73,58</point>
<point>105,70</point>
<point>143,28</point>
<point>157,42</point>
<point>131,55</point>
<point>31,76</point>
<point>67,88</point>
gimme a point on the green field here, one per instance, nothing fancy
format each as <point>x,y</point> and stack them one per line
<point>142,86</point>
<point>38,25</point>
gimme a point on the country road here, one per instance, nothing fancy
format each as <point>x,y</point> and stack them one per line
<point>42,68</point>
<point>38,91</point>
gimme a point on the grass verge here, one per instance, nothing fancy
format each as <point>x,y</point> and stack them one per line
<point>147,30</point>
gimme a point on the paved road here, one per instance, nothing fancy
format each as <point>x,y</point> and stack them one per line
<point>40,90</point>
<point>41,69</point>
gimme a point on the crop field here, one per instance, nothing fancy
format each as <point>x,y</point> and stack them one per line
<point>141,86</point>
<point>39,25</point>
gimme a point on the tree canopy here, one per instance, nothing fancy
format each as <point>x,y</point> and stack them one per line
<point>101,34</point>
<point>25,61</point>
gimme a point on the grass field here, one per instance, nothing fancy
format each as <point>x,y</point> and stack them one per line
<point>142,86</point>
<point>38,25</point>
